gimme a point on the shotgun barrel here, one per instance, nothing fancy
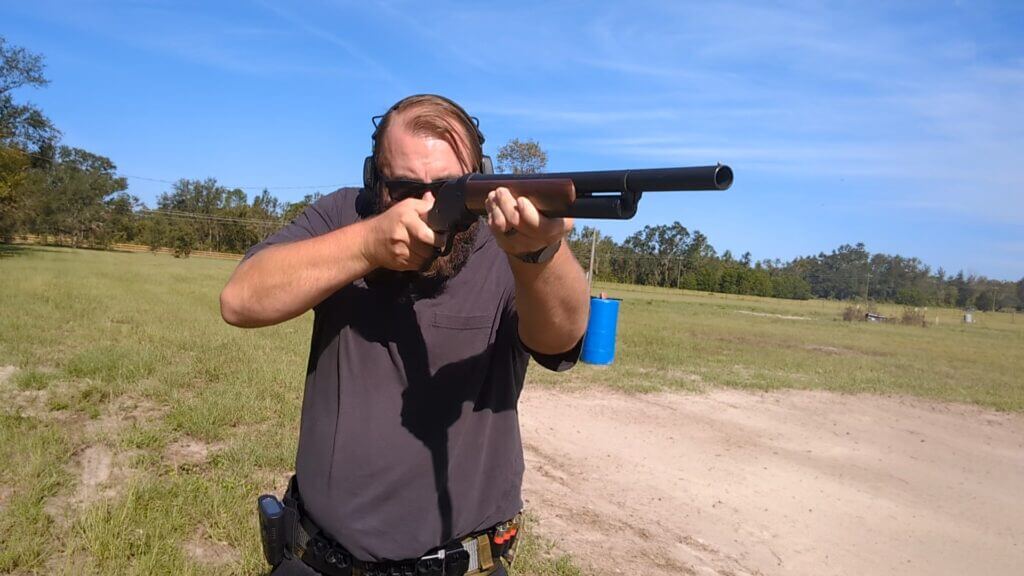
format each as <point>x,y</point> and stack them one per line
<point>603,194</point>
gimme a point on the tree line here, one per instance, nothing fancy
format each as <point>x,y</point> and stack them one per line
<point>51,189</point>
<point>203,215</point>
<point>672,256</point>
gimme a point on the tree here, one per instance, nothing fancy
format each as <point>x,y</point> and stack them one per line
<point>985,301</point>
<point>14,165</point>
<point>663,249</point>
<point>22,126</point>
<point>292,210</point>
<point>522,157</point>
<point>24,130</point>
<point>911,297</point>
<point>698,251</point>
<point>791,286</point>
<point>79,196</point>
<point>964,290</point>
<point>1007,297</point>
<point>580,239</point>
<point>265,206</point>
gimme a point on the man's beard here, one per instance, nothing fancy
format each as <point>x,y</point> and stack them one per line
<point>431,281</point>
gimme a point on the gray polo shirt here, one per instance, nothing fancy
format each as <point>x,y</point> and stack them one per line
<point>409,435</point>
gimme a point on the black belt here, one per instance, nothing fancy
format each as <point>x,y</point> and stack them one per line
<point>476,554</point>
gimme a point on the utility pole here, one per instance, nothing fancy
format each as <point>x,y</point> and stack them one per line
<point>867,279</point>
<point>590,268</point>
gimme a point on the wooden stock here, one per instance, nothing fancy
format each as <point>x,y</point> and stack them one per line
<point>553,197</point>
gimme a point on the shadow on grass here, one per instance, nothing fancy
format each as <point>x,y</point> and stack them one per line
<point>12,250</point>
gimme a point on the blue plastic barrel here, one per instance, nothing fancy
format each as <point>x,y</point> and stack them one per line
<point>599,342</point>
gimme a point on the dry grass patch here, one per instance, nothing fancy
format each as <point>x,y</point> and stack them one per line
<point>204,549</point>
<point>98,474</point>
<point>189,452</point>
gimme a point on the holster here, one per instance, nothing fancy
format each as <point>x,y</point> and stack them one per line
<point>272,519</point>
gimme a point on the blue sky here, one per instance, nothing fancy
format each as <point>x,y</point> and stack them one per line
<point>897,124</point>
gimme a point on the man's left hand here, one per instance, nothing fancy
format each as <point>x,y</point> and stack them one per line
<point>517,225</point>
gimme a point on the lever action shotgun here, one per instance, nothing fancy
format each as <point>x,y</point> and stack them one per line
<point>605,194</point>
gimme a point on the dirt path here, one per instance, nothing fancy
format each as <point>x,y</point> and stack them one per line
<point>784,483</point>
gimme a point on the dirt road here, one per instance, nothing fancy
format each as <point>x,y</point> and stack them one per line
<point>783,483</point>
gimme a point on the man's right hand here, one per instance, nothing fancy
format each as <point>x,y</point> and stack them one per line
<point>285,280</point>
<point>399,238</point>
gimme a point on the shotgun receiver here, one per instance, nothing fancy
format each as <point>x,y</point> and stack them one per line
<point>605,194</point>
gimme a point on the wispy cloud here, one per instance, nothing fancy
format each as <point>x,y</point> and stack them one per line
<point>381,71</point>
<point>433,37</point>
<point>238,44</point>
<point>590,117</point>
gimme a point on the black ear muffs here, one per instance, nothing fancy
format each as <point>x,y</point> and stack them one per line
<point>369,173</point>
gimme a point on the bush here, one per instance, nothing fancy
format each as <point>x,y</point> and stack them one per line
<point>914,317</point>
<point>183,242</point>
<point>851,313</point>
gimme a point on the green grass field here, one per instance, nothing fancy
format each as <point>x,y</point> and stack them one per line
<point>139,428</point>
<point>671,339</point>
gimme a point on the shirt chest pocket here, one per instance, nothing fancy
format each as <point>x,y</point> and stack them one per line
<point>457,342</point>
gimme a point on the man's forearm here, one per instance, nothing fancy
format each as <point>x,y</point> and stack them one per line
<point>284,281</point>
<point>552,300</point>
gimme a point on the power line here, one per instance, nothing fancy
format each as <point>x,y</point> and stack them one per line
<point>195,216</point>
<point>296,187</point>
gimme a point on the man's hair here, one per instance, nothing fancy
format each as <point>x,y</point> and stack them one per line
<point>434,116</point>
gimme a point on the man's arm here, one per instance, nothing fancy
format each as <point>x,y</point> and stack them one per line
<point>284,281</point>
<point>552,298</point>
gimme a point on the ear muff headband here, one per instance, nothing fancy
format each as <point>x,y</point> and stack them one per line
<point>370,172</point>
<point>469,121</point>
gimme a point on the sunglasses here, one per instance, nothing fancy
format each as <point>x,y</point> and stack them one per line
<point>399,190</point>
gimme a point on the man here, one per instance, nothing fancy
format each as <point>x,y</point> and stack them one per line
<point>409,447</point>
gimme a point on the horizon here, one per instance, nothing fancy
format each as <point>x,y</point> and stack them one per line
<point>891,126</point>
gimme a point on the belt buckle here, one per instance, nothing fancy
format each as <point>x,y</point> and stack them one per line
<point>444,563</point>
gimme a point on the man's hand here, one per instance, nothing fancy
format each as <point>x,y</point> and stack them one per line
<point>551,298</point>
<point>517,225</point>
<point>399,238</point>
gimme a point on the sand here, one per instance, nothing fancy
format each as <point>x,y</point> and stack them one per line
<point>795,482</point>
